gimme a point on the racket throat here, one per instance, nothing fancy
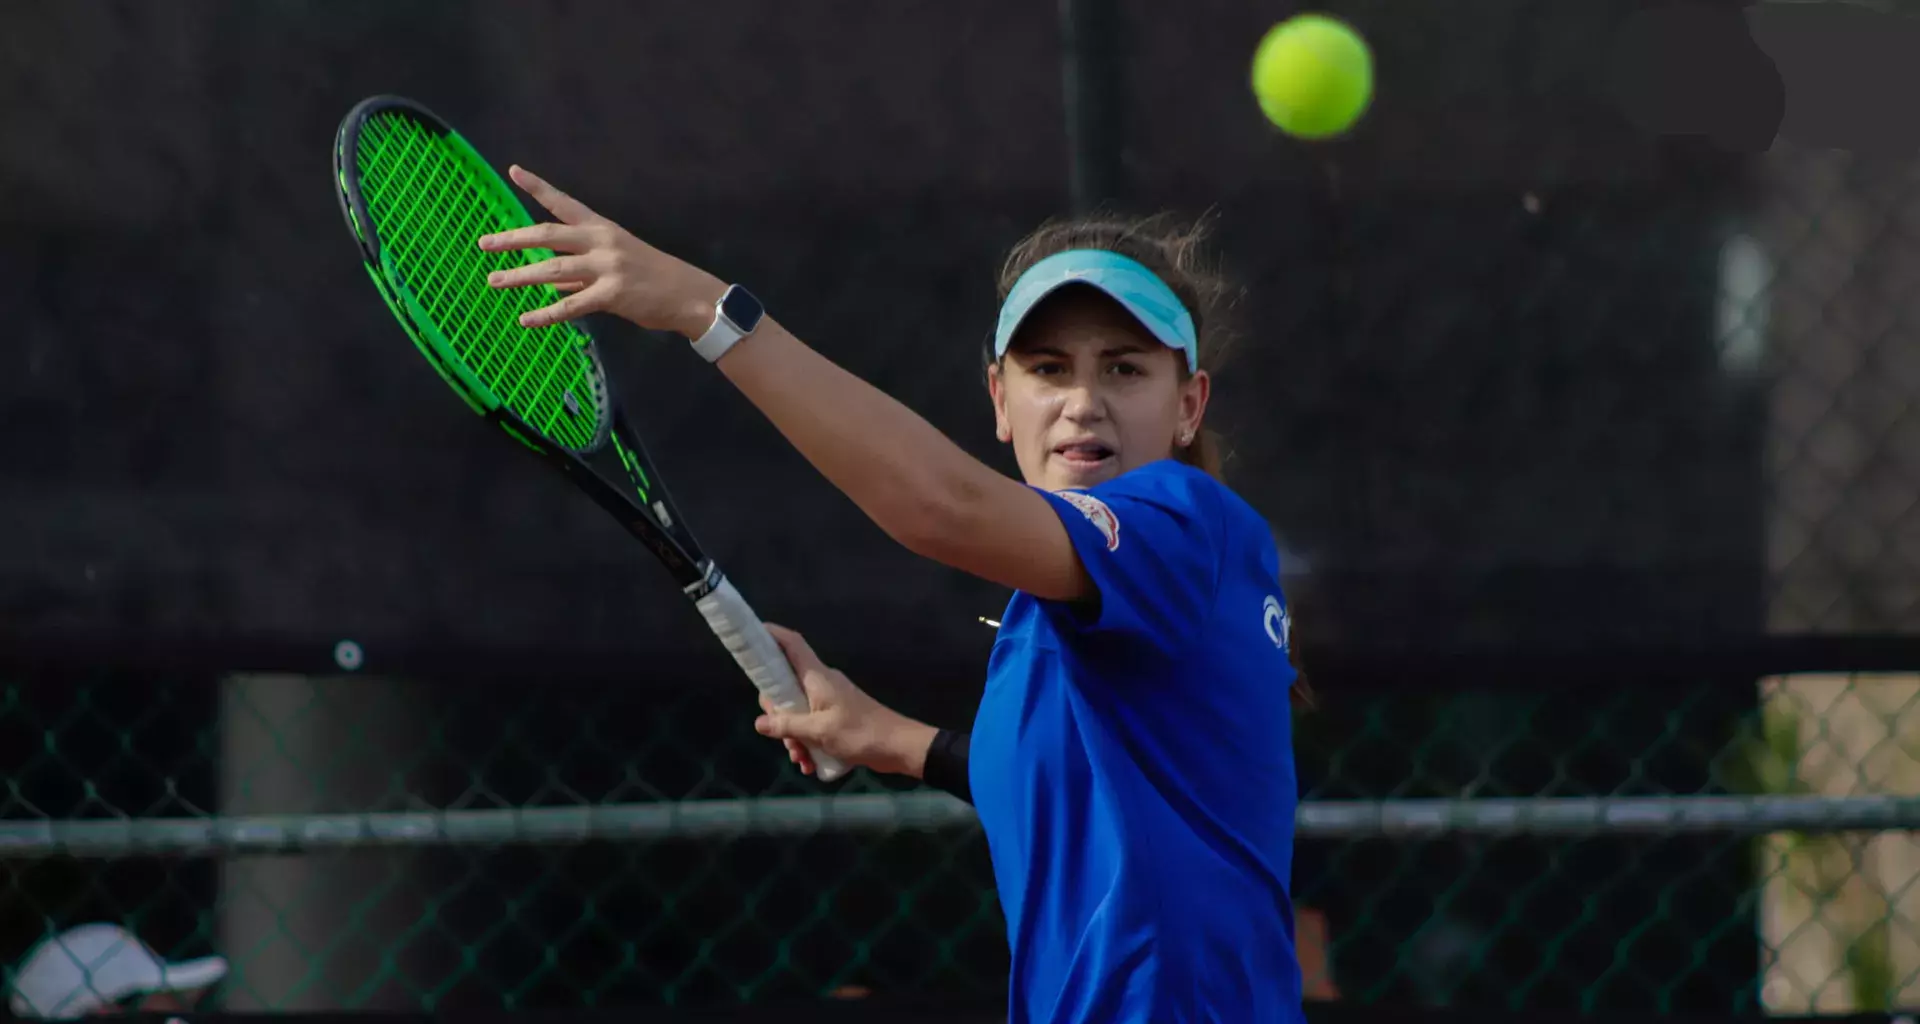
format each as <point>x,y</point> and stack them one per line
<point>710,579</point>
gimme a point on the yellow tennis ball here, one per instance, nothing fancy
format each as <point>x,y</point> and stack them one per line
<point>1313,75</point>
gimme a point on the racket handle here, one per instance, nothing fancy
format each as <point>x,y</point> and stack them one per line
<point>736,625</point>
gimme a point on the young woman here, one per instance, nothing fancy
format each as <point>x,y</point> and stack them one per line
<point>844,721</point>
<point>1131,761</point>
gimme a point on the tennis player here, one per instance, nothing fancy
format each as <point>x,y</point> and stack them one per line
<point>1131,760</point>
<point>848,723</point>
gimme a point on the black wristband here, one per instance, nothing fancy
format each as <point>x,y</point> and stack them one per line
<point>946,767</point>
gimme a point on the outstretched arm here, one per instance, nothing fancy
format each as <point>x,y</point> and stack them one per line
<point>914,483</point>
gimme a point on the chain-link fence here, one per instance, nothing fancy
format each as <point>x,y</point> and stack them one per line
<point>1517,380</point>
<point>362,843</point>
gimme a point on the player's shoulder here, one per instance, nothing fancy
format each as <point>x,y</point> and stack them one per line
<point>1166,482</point>
<point>1179,486</point>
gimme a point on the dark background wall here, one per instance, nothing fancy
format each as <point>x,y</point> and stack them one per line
<point>1477,384</point>
<point>1478,390</point>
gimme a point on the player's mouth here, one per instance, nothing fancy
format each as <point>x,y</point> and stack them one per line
<point>1084,454</point>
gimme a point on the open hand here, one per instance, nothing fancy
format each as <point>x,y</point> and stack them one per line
<point>602,267</point>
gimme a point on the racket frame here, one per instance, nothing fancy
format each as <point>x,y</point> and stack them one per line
<point>644,507</point>
<point>656,521</point>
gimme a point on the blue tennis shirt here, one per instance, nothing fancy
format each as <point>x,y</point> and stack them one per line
<point>1132,765</point>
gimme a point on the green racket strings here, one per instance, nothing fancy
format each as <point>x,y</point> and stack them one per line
<point>429,204</point>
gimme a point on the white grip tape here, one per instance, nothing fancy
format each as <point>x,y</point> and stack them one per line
<point>760,656</point>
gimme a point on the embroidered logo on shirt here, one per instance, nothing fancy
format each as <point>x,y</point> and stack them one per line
<point>1098,514</point>
<point>1279,623</point>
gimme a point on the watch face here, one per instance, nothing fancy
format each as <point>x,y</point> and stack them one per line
<point>742,308</point>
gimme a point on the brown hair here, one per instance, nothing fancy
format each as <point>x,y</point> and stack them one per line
<point>1174,251</point>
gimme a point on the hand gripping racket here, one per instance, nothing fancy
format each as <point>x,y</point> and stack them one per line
<point>417,198</point>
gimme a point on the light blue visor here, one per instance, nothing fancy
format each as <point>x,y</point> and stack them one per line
<point>1135,287</point>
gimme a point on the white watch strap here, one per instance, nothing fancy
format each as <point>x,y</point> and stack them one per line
<point>720,337</point>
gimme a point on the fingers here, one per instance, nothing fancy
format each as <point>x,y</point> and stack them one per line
<point>545,235</point>
<point>558,203</point>
<point>798,731</point>
<point>560,268</point>
<point>780,726</point>
<point>799,653</point>
<point>783,727</point>
<point>802,727</point>
<point>590,299</point>
<point>798,755</point>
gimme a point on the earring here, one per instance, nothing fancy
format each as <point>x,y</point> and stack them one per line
<point>1186,437</point>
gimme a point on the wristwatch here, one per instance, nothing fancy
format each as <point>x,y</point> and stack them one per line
<point>734,317</point>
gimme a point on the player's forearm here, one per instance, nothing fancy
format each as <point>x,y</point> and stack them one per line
<point>881,454</point>
<point>908,477</point>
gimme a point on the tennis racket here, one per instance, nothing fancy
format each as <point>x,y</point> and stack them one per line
<point>417,197</point>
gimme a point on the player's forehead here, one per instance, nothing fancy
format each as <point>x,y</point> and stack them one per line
<point>1082,322</point>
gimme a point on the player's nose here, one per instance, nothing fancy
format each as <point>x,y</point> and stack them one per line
<point>1083,403</point>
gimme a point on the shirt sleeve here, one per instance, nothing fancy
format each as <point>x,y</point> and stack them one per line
<point>1152,541</point>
